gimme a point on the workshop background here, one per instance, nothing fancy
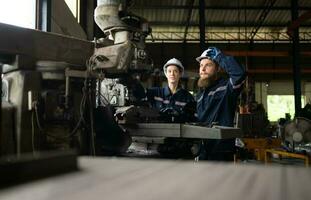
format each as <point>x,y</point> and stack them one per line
<point>71,73</point>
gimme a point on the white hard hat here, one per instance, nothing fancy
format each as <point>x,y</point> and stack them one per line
<point>175,62</point>
<point>204,55</point>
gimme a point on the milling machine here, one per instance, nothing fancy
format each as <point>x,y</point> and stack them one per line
<point>52,84</point>
<point>60,92</point>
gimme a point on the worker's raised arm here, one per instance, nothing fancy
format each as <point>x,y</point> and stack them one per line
<point>229,64</point>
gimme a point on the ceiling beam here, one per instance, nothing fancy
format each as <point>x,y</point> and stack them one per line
<point>265,53</point>
<point>218,24</point>
<point>259,70</point>
<point>275,71</point>
<point>217,7</point>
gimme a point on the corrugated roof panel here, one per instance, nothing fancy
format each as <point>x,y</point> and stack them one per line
<point>282,3</point>
<point>278,17</point>
<point>164,17</point>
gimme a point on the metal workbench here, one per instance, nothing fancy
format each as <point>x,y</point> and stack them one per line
<point>116,178</point>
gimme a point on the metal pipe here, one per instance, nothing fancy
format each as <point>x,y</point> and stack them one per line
<point>41,45</point>
<point>44,8</point>
<point>106,14</point>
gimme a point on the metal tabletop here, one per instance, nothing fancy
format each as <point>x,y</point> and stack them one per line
<point>184,131</point>
<point>116,178</point>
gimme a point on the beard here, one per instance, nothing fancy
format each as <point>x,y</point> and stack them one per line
<point>205,82</point>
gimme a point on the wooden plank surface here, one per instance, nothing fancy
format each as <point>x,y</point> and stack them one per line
<point>116,178</point>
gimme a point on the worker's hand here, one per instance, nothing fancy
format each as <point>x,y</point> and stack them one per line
<point>169,115</point>
<point>169,111</point>
<point>213,52</point>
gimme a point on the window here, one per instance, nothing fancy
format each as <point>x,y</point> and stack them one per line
<point>278,105</point>
<point>19,13</point>
<point>74,7</point>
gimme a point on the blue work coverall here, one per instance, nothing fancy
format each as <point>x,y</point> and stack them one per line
<point>183,104</point>
<point>217,104</point>
<point>163,99</point>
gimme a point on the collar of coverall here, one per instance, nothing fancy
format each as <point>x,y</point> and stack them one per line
<point>167,91</point>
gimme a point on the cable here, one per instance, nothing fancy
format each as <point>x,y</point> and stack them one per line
<point>73,132</point>
<point>32,132</point>
<point>92,125</point>
<point>86,96</point>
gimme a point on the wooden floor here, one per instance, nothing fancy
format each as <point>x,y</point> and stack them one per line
<point>130,178</point>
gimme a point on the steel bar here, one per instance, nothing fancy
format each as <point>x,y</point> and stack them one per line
<point>230,8</point>
<point>44,9</point>
<point>296,63</point>
<point>44,46</point>
<point>191,131</point>
<point>155,130</point>
<point>183,131</point>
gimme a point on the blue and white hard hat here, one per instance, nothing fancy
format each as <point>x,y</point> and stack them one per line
<point>204,55</point>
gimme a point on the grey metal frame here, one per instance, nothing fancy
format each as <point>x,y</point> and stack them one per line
<point>173,130</point>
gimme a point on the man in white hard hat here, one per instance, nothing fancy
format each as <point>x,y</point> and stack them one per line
<point>171,98</point>
<point>217,99</point>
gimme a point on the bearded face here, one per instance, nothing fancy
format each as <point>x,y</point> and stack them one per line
<point>208,73</point>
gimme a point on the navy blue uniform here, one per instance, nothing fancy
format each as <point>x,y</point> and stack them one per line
<point>217,104</point>
<point>162,98</point>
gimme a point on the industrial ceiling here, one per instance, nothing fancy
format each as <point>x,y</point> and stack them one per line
<point>225,21</point>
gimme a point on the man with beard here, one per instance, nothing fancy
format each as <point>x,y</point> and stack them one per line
<point>217,99</point>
